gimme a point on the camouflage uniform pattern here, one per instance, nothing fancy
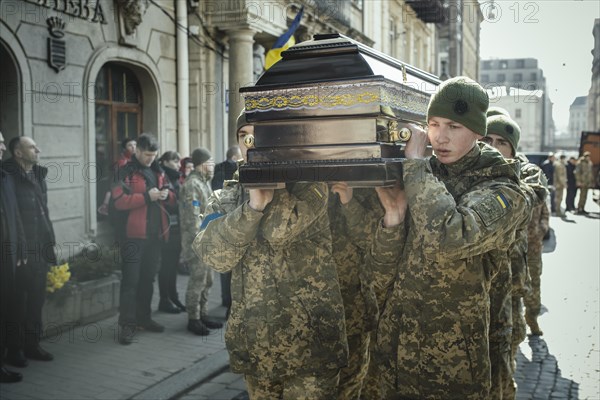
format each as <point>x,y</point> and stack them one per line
<point>432,335</point>
<point>501,320</point>
<point>560,183</point>
<point>360,303</point>
<point>507,290</point>
<point>287,314</point>
<point>533,176</point>
<point>362,214</point>
<point>300,387</point>
<point>584,176</point>
<point>538,227</point>
<point>193,199</point>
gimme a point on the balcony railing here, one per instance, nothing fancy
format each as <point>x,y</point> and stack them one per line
<point>429,11</point>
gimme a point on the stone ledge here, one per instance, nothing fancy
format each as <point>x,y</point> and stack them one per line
<point>81,303</point>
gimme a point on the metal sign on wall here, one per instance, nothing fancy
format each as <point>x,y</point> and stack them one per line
<point>57,50</point>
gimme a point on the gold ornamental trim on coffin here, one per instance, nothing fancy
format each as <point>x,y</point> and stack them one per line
<point>402,99</point>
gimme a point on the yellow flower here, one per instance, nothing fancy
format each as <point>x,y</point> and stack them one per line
<point>58,275</point>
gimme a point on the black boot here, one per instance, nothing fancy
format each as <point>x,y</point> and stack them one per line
<point>165,305</point>
<point>197,327</point>
<point>211,323</point>
<point>7,376</point>
<point>179,304</point>
<point>16,358</point>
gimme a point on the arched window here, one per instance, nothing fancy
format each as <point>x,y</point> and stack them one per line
<point>10,104</point>
<point>118,115</point>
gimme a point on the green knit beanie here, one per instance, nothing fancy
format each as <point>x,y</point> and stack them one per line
<point>505,127</point>
<point>462,100</point>
<point>200,156</point>
<point>497,111</point>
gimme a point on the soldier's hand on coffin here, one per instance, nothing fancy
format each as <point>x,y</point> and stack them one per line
<point>393,200</point>
<point>259,198</point>
<point>416,146</point>
<point>343,190</point>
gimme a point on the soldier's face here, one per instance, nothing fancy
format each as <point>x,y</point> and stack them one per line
<point>208,168</point>
<point>501,144</point>
<point>450,140</point>
<point>242,133</point>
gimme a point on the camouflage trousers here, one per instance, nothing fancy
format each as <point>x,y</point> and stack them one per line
<point>519,334</point>
<point>501,367</point>
<point>372,386</point>
<point>500,332</point>
<point>558,198</point>
<point>321,386</point>
<point>533,300</point>
<point>196,296</point>
<point>352,377</point>
<point>583,193</point>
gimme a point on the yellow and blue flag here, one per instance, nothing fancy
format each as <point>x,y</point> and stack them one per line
<point>283,42</point>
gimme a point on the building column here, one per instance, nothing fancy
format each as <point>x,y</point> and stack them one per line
<point>241,43</point>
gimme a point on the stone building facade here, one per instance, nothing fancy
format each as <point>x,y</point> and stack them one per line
<point>80,75</point>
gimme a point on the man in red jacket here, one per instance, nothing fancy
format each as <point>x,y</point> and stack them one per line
<point>142,190</point>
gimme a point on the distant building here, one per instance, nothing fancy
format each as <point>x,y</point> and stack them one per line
<point>397,30</point>
<point>526,108</point>
<point>459,38</point>
<point>578,117</point>
<point>522,73</point>
<point>593,100</point>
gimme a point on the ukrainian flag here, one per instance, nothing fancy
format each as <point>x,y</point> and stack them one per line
<point>283,42</point>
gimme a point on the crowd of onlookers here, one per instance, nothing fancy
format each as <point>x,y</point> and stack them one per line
<point>153,207</point>
<point>572,175</point>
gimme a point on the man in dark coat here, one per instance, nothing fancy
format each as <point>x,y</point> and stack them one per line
<point>30,285</point>
<point>224,171</point>
<point>548,168</point>
<point>571,184</point>
<point>12,240</point>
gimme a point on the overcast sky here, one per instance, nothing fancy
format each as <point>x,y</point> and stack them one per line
<point>556,32</point>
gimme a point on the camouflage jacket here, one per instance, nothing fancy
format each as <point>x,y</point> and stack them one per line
<point>538,226</point>
<point>584,174</point>
<point>535,180</point>
<point>193,199</point>
<point>560,175</point>
<point>287,315</point>
<point>432,336</point>
<point>356,280</point>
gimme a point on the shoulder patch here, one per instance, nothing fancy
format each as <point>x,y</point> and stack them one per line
<point>492,208</point>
